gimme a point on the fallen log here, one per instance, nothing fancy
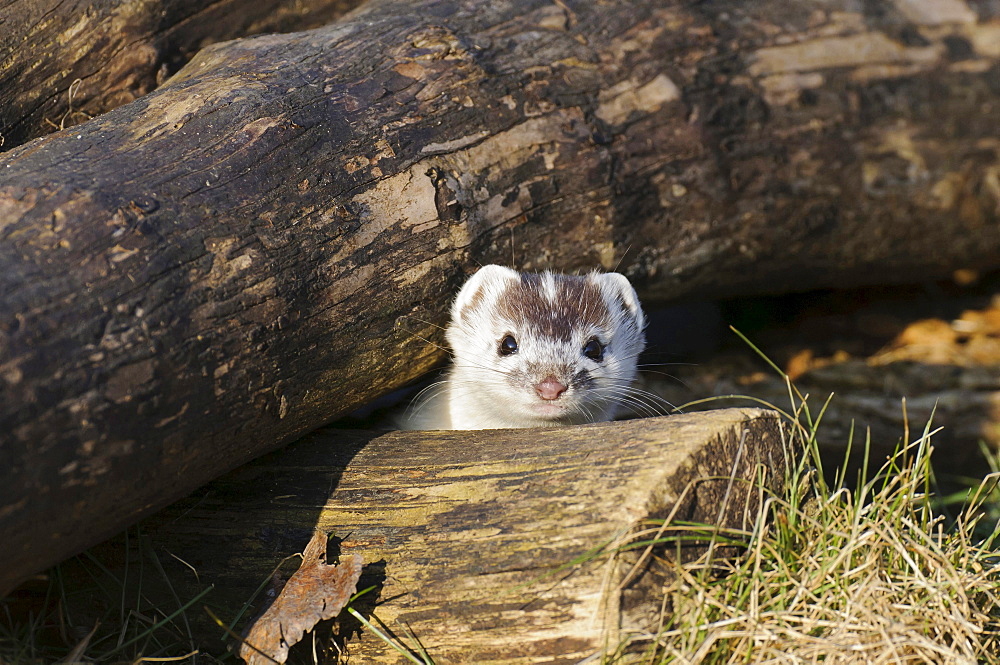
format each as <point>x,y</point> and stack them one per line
<point>61,63</point>
<point>470,538</point>
<point>262,243</point>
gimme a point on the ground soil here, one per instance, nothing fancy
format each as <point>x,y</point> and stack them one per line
<point>936,345</point>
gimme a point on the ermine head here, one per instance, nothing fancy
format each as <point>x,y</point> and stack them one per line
<point>544,349</point>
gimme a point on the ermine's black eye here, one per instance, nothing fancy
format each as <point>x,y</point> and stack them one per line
<point>508,346</point>
<point>594,350</point>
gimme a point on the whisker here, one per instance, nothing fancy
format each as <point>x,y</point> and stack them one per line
<point>669,376</point>
<point>645,405</point>
<point>455,356</point>
<point>429,323</point>
<point>650,399</point>
<point>636,407</point>
<point>428,392</point>
<point>639,406</point>
<point>424,339</point>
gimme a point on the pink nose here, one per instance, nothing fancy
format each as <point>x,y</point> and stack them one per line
<point>550,388</point>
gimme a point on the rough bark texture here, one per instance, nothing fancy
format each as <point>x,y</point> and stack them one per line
<point>258,246</point>
<point>469,536</point>
<point>64,62</point>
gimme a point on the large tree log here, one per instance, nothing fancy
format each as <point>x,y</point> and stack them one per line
<point>260,245</point>
<point>470,537</point>
<point>63,62</point>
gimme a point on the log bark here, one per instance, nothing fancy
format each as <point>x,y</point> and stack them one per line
<point>262,243</point>
<point>64,62</point>
<point>470,537</point>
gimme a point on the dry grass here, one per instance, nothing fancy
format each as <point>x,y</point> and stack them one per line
<point>880,574</point>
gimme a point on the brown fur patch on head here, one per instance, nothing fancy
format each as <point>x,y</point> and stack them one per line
<point>577,303</point>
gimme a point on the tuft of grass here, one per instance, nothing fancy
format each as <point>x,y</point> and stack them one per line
<point>878,574</point>
<point>102,606</point>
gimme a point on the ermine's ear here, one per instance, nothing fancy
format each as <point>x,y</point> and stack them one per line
<point>485,285</point>
<point>624,294</point>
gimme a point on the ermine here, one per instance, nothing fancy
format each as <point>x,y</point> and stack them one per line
<point>536,350</point>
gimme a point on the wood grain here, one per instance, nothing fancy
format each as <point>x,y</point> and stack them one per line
<point>65,61</point>
<point>469,537</point>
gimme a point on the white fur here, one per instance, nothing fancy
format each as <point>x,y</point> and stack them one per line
<point>485,390</point>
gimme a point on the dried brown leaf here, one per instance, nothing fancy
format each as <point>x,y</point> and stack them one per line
<point>316,591</point>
